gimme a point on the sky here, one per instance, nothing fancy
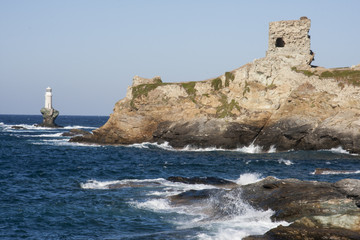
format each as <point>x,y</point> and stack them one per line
<point>88,51</point>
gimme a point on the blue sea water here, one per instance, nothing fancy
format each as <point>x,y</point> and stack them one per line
<point>53,189</point>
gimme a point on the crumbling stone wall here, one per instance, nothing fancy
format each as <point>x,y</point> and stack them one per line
<point>291,39</point>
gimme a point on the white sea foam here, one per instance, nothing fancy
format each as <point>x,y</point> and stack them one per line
<point>147,145</point>
<point>79,127</point>
<point>272,149</point>
<point>339,150</point>
<point>157,205</point>
<point>189,148</point>
<point>53,135</point>
<point>248,178</point>
<point>28,127</point>
<point>63,142</point>
<point>224,216</point>
<point>337,172</point>
<point>251,222</point>
<point>250,149</point>
<point>94,184</point>
<point>285,161</point>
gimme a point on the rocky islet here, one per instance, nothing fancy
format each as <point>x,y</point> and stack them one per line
<point>277,101</point>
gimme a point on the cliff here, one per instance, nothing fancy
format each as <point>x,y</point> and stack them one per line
<point>277,101</point>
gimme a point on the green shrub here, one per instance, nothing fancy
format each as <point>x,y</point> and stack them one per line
<point>246,88</point>
<point>216,84</point>
<point>143,90</point>
<point>224,110</point>
<point>351,77</point>
<point>305,72</point>
<point>327,74</point>
<point>229,76</point>
<point>189,88</point>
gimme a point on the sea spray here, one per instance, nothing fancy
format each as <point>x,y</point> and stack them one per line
<point>248,178</point>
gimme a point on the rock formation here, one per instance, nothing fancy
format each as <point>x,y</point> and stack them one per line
<point>315,210</point>
<point>277,101</point>
<point>49,116</point>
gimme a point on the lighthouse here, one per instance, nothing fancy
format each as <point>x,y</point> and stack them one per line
<point>48,112</point>
<point>48,98</point>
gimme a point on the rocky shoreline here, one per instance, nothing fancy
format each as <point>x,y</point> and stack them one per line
<point>279,101</point>
<point>314,210</point>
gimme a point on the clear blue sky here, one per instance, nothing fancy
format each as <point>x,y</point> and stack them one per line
<point>88,51</point>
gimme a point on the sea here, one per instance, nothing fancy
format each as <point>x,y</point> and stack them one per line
<point>51,188</point>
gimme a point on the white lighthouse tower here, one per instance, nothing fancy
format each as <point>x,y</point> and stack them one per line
<point>48,98</point>
<point>48,112</point>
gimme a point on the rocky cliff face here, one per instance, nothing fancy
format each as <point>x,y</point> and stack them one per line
<point>278,100</point>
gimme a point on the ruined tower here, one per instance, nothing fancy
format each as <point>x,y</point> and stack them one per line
<point>291,39</point>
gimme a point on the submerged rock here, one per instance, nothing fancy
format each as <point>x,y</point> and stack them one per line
<point>18,127</point>
<point>75,132</point>
<point>317,210</point>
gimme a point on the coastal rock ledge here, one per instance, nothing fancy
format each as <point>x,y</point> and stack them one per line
<point>313,210</point>
<point>279,101</point>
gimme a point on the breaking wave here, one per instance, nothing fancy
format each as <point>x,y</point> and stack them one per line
<point>189,148</point>
<point>31,128</point>
<point>285,161</point>
<point>248,178</point>
<point>222,215</point>
<point>335,172</point>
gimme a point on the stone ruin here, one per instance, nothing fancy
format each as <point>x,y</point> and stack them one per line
<point>291,39</point>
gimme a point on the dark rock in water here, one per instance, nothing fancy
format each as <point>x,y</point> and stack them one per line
<point>18,127</point>
<point>300,232</point>
<point>318,210</point>
<point>75,132</point>
<point>191,196</point>
<point>205,133</point>
<point>49,116</point>
<point>132,185</point>
<point>203,180</point>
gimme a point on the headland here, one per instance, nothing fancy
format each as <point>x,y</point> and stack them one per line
<point>279,101</point>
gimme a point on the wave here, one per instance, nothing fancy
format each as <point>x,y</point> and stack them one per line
<point>79,127</point>
<point>94,184</point>
<point>248,178</point>
<point>334,172</point>
<point>285,161</point>
<point>28,127</point>
<point>167,187</point>
<point>223,214</point>
<point>45,135</point>
<point>189,148</point>
<point>339,150</point>
<point>64,142</point>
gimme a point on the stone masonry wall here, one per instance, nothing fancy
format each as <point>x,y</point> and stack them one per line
<point>290,38</point>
